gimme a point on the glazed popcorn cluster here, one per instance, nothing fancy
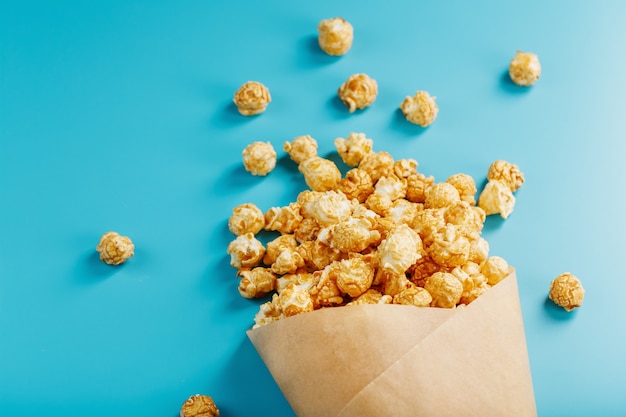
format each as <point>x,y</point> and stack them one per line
<point>115,249</point>
<point>382,233</point>
<point>199,406</point>
<point>567,291</point>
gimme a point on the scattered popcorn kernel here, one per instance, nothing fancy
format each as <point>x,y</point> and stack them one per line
<point>413,295</point>
<point>416,186</point>
<point>428,222</point>
<point>358,92</point>
<point>277,245</point>
<point>401,248</point>
<point>567,291</point>
<point>495,269</point>
<point>317,255</point>
<point>268,312</point>
<point>328,208</point>
<point>252,98</point>
<point>422,269</point>
<point>468,219</point>
<point>420,109</point>
<point>465,185</point>
<point>354,275</point>
<point>357,184</point>
<point>246,218</point>
<point>283,219</point>
<point>326,293</point>
<point>391,186</point>
<point>403,211</point>
<point>479,250</point>
<point>353,148</point>
<point>320,174</point>
<point>392,283</point>
<point>404,168</point>
<point>354,234</point>
<point>115,249</point>
<point>295,300</point>
<point>301,148</point>
<point>245,251</point>
<point>377,165</point>
<point>288,261</point>
<point>445,289</point>
<point>259,158</point>
<point>496,198</point>
<point>449,248</point>
<point>507,173</point>
<point>335,36</point>
<point>378,203</point>
<point>304,280</point>
<point>256,282</point>
<point>441,195</point>
<point>307,230</point>
<point>199,406</point>
<point>371,296</point>
<point>525,68</point>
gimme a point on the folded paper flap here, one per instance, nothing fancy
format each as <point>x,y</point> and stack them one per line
<point>388,359</point>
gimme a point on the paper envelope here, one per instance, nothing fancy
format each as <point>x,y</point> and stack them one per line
<point>395,360</point>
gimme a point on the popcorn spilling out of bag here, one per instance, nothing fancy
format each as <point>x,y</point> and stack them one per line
<point>383,233</point>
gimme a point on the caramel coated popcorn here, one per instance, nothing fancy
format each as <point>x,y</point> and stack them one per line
<point>358,92</point>
<point>335,36</point>
<point>507,173</point>
<point>252,98</point>
<point>199,406</point>
<point>382,233</point>
<point>497,198</point>
<point>259,158</point>
<point>420,109</point>
<point>115,249</point>
<point>525,68</point>
<point>246,218</point>
<point>567,291</point>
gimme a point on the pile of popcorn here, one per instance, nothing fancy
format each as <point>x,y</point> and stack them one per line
<point>382,233</point>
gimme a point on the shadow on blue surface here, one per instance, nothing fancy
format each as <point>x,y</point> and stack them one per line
<point>228,116</point>
<point>338,109</point>
<point>400,124</point>
<point>557,313</point>
<point>509,86</point>
<point>92,270</point>
<point>310,55</point>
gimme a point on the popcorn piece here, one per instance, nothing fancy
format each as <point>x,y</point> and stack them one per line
<point>445,289</point>
<point>307,230</point>
<point>403,211</point>
<point>357,184</point>
<point>320,174</point>
<point>304,280</point>
<point>422,269</point>
<point>335,36</point>
<point>507,173</point>
<point>358,92</point>
<point>259,158</point>
<point>353,148</point>
<point>449,248</point>
<point>404,168</point>
<point>354,235</point>
<point>441,195</point>
<point>525,68</point>
<point>295,300</point>
<point>326,208</point>
<point>496,198</point>
<point>268,312</point>
<point>401,248</point>
<point>115,249</point>
<point>199,406</point>
<point>326,293</point>
<point>567,291</point>
<point>288,261</point>
<point>353,276</point>
<point>420,109</point>
<point>256,282</point>
<point>468,219</point>
<point>417,184</point>
<point>391,186</point>
<point>415,296</point>
<point>377,165</point>
<point>465,185</point>
<point>317,255</point>
<point>371,296</point>
<point>283,219</point>
<point>495,269</point>
<point>276,246</point>
<point>252,98</point>
<point>301,148</point>
<point>479,250</point>
<point>246,218</point>
<point>245,251</point>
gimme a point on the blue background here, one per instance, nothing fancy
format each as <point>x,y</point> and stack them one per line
<point>118,116</point>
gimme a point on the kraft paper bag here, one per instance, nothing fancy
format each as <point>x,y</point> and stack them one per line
<point>396,360</point>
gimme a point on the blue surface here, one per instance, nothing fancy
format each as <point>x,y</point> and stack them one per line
<point>117,116</point>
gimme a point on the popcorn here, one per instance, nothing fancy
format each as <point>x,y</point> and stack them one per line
<point>440,195</point>
<point>357,184</point>
<point>524,68</point>
<point>301,148</point>
<point>283,219</point>
<point>245,251</point>
<point>496,198</point>
<point>371,296</point>
<point>417,184</point>
<point>354,234</point>
<point>199,406</point>
<point>567,291</point>
<point>246,218</point>
<point>115,249</point>
<point>252,98</point>
<point>445,289</point>
<point>415,296</point>
<point>256,282</point>
<point>320,174</point>
<point>358,92</point>
<point>506,173</point>
<point>276,246</point>
<point>400,249</point>
<point>353,149</point>
<point>495,269</point>
<point>377,165</point>
<point>295,300</point>
<point>335,36</point>
<point>353,276</point>
<point>259,158</point>
<point>465,185</point>
<point>420,109</point>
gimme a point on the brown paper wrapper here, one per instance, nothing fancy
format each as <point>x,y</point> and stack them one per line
<point>395,360</point>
